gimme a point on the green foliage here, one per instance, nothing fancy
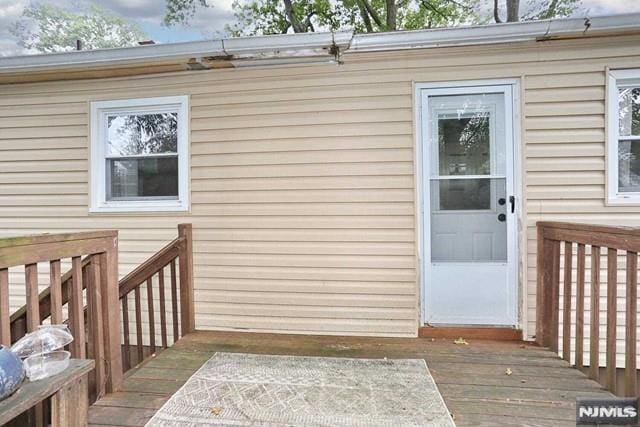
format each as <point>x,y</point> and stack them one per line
<point>48,28</point>
<point>180,11</point>
<point>257,17</point>
<point>436,13</point>
<point>547,9</point>
<point>262,17</point>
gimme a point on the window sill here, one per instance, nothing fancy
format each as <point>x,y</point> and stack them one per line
<point>623,201</point>
<point>141,207</point>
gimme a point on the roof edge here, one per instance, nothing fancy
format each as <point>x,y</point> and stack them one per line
<point>285,46</point>
<point>304,47</point>
<point>496,33</point>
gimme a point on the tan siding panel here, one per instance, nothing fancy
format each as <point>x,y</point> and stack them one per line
<point>302,178</point>
<point>303,183</point>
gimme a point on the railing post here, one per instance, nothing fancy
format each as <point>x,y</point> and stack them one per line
<point>543,301</point>
<point>187,314</point>
<point>111,315</point>
<point>554,289</point>
<point>612,300</point>
<point>5,314</point>
<point>548,290</point>
<point>630,374</point>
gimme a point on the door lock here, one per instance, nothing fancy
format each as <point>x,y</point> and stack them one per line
<point>502,217</point>
<point>502,201</point>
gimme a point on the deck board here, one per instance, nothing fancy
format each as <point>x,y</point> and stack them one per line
<point>540,390</point>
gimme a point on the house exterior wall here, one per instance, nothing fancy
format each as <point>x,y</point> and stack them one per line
<point>303,192</point>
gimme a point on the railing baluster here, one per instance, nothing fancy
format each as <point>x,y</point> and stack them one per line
<point>136,294</point>
<point>152,319</point>
<point>630,373</point>
<point>612,290</point>
<point>55,291</point>
<point>5,322</point>
<point>94,301</point>
<point>594,333</point>
<point>580,307</point>
<point>566,298</point>
<point>33,303</point>
<point>163,308</point>
<point>125,331</point>
<point>555,294</point>
<point>174,300</point>
<point>76,310</point>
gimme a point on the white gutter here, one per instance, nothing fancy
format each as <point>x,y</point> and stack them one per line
<point>495,33</point>
<point>320,47</point>
<point>102,57</point>
<point>282,44</point>
<point>278,46</point>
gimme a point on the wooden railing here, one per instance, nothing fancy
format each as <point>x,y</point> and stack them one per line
<point>46,303</point>
<point>597,240</point>
<point>93,279</point>
<point>164,260</point>
<point>102,342</point>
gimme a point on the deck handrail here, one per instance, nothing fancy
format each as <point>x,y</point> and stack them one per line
<point>102,342</point>
<point>179,249</point>
<point>550,257</point>
<point>51,300</point>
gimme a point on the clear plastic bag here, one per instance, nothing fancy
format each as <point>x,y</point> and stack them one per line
<point>40,366</point>
<point>45,339</point>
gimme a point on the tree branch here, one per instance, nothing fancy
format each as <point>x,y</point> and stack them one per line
<point>496,14</point>
<point>433,8</point>
<point>308,24</point>
<point>550,11</point>
<point>288,8</point>
<point>365,17</point>
<point>461,5</point>
<point>373,14</point>
<point>513,10</point>
<point>392,13</point>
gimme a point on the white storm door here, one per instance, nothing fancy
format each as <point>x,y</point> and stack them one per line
<point>469,219</point>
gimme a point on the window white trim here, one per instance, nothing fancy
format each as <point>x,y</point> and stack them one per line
<point>99,109</point>
<point>616,79</point>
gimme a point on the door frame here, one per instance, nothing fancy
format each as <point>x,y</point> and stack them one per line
<point>512,120</point>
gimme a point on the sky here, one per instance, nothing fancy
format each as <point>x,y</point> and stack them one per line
<point>208,22</point>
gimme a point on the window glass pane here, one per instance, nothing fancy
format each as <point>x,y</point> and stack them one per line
<point>628,166</point>
<point>130,134</point>
<point>464,145</point>
<point>629,109</point>
<point>468,226</point>
<point>142,178</point>
<point>463,194</point>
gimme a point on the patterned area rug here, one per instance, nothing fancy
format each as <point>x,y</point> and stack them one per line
<point>257,390</point>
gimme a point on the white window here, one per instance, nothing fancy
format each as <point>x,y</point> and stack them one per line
<point>623,180</point>
<point>139,155</point>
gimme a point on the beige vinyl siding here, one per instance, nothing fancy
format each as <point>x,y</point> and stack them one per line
<point>302,178</point>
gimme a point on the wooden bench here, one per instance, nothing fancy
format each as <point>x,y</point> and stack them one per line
<point>68,391</point>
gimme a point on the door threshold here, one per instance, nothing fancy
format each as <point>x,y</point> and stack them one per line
<point>478,333</point>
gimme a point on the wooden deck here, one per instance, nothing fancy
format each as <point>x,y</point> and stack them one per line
<point>539,391</point>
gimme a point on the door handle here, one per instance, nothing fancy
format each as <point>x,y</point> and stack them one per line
<point>512,201</point>
<point>502,217</point>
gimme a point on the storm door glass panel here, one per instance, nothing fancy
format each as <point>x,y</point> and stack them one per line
<point>142,156</point>
<point>629,140</point>
<point>468,178</point>
<point>464,144</point>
